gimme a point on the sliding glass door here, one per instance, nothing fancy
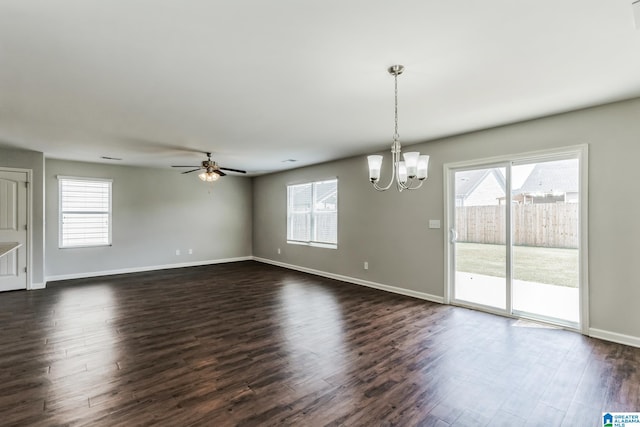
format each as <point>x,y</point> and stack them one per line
<point>514,237</point>
<point>546,240</point>
<point>479,237</point>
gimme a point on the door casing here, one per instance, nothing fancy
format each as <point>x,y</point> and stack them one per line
<point>29,249</point>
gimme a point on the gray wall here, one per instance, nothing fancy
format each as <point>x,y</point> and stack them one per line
<point>390,229</point>
<point>155,212</point>
<point>33,160</point>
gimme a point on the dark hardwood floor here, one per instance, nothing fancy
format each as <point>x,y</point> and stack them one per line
<point>251,344</point>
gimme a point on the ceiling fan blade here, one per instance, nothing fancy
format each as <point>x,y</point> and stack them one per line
<point>219,172</point>
<point>233,170</point>
<point>192,166</point>
<point>190,171</point>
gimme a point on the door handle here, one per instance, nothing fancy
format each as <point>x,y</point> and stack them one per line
<point>454,235</point>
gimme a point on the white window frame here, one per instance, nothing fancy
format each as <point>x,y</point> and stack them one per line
<point>312,224</point>
<point>61,179</point>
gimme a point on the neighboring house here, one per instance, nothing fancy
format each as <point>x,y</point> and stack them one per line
<point>327,197</point>
<point>480,187</point>
<point>550,182</point>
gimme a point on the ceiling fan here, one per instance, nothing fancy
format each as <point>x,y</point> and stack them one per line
<point>210,170</point>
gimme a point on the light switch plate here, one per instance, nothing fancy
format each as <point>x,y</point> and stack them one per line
<point>434,223</point>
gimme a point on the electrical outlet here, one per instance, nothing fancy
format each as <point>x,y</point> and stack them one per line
<point>177,251</point>
<point>279,251</point>
<point>190,251</point>
<point>366,265</point>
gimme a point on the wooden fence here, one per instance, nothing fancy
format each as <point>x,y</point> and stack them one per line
<point>552,225</point>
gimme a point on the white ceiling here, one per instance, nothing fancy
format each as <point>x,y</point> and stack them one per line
<point>157,82</point>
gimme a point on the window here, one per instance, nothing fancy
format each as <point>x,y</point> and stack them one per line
<point>312,213</point>
<point>85,212</point>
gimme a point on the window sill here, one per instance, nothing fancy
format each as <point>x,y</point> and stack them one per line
<point>85,246</point>
<point>313,244</point>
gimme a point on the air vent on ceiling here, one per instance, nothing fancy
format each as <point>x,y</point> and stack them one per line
<point>635,4</point>
<point>110,158</point>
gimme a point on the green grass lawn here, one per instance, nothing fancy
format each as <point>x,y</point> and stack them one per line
<point>553,266</point>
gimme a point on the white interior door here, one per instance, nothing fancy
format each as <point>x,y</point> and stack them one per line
<point>13,228</point>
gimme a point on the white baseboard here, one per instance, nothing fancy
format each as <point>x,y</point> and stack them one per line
<point>143,269</point>
<point>35,286</point>
<point>615,337</point>
<point>356,281</point>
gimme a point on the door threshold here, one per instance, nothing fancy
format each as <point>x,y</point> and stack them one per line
<point>541,320</point>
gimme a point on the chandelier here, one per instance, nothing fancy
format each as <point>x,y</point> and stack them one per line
<point>408,174</point>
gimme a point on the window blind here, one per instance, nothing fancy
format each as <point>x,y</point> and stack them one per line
<point>85,212</point>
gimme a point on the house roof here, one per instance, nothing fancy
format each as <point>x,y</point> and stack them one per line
<point>467,181</point>
<point>554,176</point>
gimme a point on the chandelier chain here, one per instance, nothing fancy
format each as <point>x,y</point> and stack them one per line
<point>395,135</point>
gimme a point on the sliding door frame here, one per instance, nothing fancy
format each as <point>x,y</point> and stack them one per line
<point>580,152</point>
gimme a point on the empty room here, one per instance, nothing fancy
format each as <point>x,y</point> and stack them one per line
<point>249,213</point>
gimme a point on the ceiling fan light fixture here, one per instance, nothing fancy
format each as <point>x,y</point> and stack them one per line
<point>209,171</point>
<point>208,176</point>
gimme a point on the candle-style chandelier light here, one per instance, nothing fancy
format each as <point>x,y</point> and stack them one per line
<point>408,174</point>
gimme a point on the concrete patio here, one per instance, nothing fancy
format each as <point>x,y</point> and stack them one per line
<point>557,302</point>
